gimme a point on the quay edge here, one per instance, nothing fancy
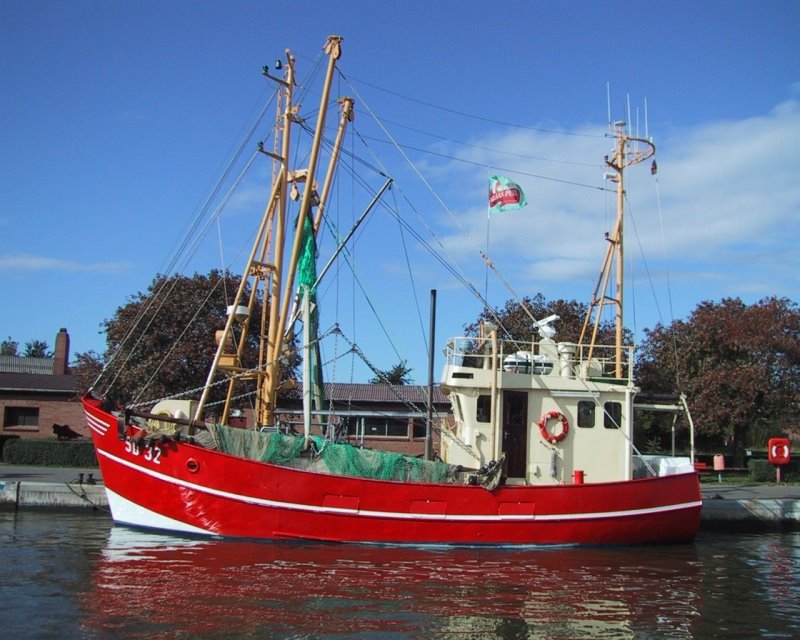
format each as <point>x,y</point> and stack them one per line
<point>23,493</point>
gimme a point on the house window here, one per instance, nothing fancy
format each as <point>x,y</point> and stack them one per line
<point>586,414</point>
<point>397,427</point>
<point>26,418</point>
<point>374,426</point>
<point>382,426</point>
<point>612,415</point>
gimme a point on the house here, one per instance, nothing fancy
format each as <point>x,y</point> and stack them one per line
<point>378,416</point>
<point>38,393</point>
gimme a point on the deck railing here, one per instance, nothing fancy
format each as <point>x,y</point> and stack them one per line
<point>542,357</point>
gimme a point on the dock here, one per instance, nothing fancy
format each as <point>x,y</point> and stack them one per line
<point>54,487</point>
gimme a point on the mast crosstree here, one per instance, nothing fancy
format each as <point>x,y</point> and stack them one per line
<point>627,153</point>
<point>265,266</point>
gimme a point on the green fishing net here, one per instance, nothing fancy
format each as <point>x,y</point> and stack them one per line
<point>329,457</point>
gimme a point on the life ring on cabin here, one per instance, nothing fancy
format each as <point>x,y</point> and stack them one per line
<point>554,438</point>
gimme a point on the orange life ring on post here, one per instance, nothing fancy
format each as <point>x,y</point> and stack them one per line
<point>553,438</point>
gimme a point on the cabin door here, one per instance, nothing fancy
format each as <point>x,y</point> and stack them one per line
<point>515,433</point>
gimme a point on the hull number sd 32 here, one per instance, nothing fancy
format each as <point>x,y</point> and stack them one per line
<point>150,453</point>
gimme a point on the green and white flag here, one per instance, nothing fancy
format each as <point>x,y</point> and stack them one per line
<point>505,195</point>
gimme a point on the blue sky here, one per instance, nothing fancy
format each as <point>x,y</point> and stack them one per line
<point>117,118</point>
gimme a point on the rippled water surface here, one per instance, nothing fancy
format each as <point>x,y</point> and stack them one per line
<point>73,575</point>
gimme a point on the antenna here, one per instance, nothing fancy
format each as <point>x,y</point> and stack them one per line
<point>608,100</point>
<point>646,123</point>
<point>628,100</point>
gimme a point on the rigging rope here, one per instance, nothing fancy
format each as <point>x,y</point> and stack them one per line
<point>475,117</point>
<point>185,249</point>
<point>669,287</point>
<point>397,393</point>
<point>452,216</point>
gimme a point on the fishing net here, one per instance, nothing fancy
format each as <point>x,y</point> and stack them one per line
<point>254,445</point>
<point>330,457</point>
<point>347,460</point>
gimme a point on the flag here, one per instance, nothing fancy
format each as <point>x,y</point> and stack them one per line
<point>505,195</point>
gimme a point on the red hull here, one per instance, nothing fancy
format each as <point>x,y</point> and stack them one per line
<point>183,487</point>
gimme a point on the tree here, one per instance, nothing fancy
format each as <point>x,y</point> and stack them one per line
<point>86,368</point>
<point>8,347</point>
<point>399,374</point>
<point>159,346</point>
<point>37,349</point>
<point>738,365</point>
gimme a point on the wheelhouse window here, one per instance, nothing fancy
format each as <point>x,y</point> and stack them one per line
<point>612,415</point>
<point>457,407</point>
<point>484,408</point>
<point>586,414</point>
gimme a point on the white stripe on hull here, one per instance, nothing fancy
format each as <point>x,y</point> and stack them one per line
<point>392,514</point>
<point>96,424</point>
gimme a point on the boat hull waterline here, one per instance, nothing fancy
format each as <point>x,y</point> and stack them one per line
<point>183,487</point>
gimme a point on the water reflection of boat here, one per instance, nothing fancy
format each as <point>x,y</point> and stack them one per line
<point>165,586</point>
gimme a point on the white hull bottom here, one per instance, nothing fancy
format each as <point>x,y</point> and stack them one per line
<point>124,511</point>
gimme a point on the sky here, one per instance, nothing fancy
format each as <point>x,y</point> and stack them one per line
<point>118,118</point>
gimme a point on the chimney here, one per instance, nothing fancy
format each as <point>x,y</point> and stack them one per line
<point>61,357</point>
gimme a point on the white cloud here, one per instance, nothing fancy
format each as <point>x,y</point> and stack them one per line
<point>29,263</point>
<point>727,219</point>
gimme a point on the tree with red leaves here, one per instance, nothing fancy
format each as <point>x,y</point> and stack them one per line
<point>739,366</point>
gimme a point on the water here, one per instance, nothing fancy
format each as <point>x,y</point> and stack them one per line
<point>72,575</point>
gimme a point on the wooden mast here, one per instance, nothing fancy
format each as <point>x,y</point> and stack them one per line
<point>271,237</point>
<point>279,307</point>
<point>622,158</point>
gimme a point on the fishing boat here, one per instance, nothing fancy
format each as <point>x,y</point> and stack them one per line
<point>539,449</point>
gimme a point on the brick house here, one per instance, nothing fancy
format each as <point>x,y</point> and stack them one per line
<point>36,393</point>
<point>373,416</point>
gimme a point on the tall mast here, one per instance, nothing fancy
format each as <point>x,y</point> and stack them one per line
<point>624,156</point>
<point>618,164</point>
<point>279,307</point>
<point>269,269</point>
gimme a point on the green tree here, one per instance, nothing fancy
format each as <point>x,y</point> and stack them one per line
<point>399,374</point>
<point>159,345</point>
<point>37,349</point>
<point>8,347</point>
<point>739,366</point>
